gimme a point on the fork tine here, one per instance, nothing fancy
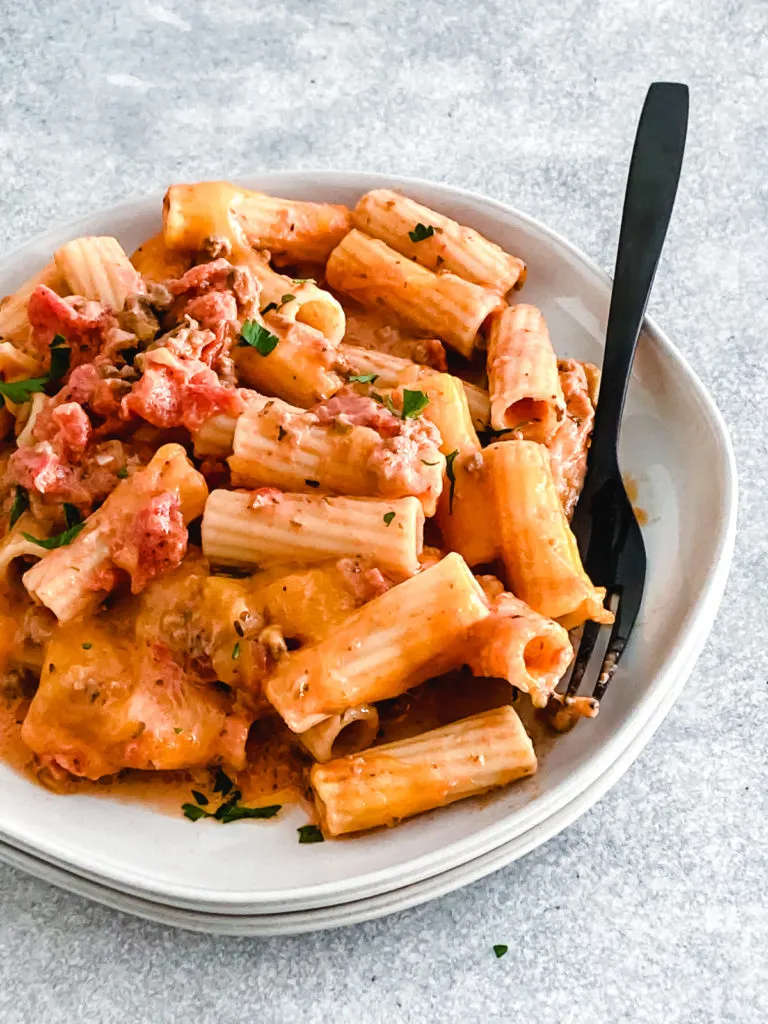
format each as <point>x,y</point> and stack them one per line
<point>610,662</point>
<point>588,640</point>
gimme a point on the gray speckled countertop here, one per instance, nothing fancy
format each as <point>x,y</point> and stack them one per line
<point>652,907</point>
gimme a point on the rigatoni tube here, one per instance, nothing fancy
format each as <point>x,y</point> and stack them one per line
<point>207,213</point>
<point>252,529</point>
<point>343,734</point>
<point>279,445</point>
<point>437,242</point>
<point>523,380</point>
<point>517,644</point>
<point>385,784</point>
<point>394,642</point>
<point>442,304</point>
<point>540,553</point>
<point>98,268</point>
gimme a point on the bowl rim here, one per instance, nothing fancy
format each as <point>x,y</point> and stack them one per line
<point>698,619</point>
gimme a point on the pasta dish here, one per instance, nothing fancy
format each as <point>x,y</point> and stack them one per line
<point>285,512</point>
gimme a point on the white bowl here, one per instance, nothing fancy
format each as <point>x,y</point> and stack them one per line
<point>675,446</point>
<point>340,915</point>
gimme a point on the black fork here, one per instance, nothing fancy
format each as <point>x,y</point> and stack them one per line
<point>604,522</point>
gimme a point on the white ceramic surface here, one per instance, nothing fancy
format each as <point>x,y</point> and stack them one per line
<point>676,447</point>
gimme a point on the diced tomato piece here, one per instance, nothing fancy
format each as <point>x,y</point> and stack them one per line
<point>155,543</point>
<point>83,328</point>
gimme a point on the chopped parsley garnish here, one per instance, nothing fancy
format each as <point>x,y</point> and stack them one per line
<point>425,463</point>
<point>233,811</point>
<point>87,647</point>
<point>236,651</point>
<point>303,280</point>
<point>312,483</point>
<point>420,232</point>
<point>281,432</point>
<point>258,337</point>
<point>177,729</point>
<point>391,405</point>
<point>388,517</point>
<point>222,782</point>
<point>74,526</point>
<point>229,810</point>
<point>450,458</point>
<point>364,378</point>
<point>19,506</point>
<point>268,308</point>
<point>193,812</point>
<point>122,473</point>
<point>500,950</point>
<point>414,402</point>
<point>18,391</point>
<point>310,834</point>
<point>286,299</point>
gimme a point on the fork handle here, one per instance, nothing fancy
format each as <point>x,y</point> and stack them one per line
<point>654,172</point>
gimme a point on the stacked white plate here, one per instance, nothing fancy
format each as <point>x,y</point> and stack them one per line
<point>253,877</point>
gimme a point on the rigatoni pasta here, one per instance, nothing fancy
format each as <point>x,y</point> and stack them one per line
<point>539,551</point>
<point>383,785</point>
<point>523,378</point>
<point>436,241</point>
<point>291,611</point>
<point>392,644</point>
<point>250,529</point>
<point>296,450</point>
<point>99,269</point>
<point>208,214</point>
<point>447,305</point>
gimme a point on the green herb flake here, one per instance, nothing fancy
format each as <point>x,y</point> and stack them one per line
<point>19,506</point>
<point>310,834</point>
<point>236,651</point>
<point>281,432</point>
<point>177,729</point>
<point>420,232</point>
<point>122,473</point>
<point>258,337</point>
<point>268,308</point>
<point>414,403</point>
<point>450,458</point>
<point>74,526</point>
<point>500,950</point>
<point>312,483</point>
<point>234,811</point>
<point>201,798</point>
<point>193,812</point>
<point>222,782</point>
<point>388,517</point>
<point>286,299</point>
<point>391,405</point>
<point>18,391</point>
<point>303,280</point>
<point>87,647</point>
<point>364,378</point>
<point>425,463</point>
